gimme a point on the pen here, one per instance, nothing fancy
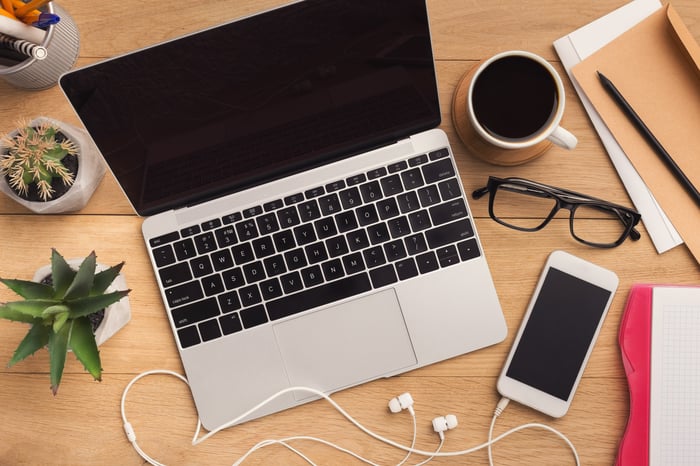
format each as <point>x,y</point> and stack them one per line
<point>29,49</point>
<point>41,19</point>
<point>649,136</point>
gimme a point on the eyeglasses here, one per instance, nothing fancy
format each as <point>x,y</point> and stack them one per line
<point>528,206</point>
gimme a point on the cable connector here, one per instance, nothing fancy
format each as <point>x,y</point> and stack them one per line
<point>501,406</point>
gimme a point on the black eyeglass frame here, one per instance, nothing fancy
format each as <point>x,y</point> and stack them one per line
<point>565,199</point>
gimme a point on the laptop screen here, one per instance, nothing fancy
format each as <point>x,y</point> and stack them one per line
<point>258,98</point>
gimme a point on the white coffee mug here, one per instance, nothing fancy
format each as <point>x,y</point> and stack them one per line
<point>516,100</point>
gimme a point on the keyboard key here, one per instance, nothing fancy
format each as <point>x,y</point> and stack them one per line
<point>230,323</point>
<point>284,240</point>
<point>449,233</point>
<point>175,274</point>
<point>312,276</point>
<point>355,180</point>
<point>353,263</point>
<point>233,278</point>
<point>205,243</point>
<point>314,192</point>
<point>325,228</point>
<point>346,221</point>
<point>309,210</point>
<point>438,154</point>
<point>242,253</point>
<point>408,202</point>
<point>249,295</point>
<point>263,247</point>
<point>253,316</point>
<point>190,231</point>
<point>273,205</point>
<point>332,270</point>
<point>398,166</point>
<point>337,246</point>
<point>383,276</point>
<point>391,185</point>
<point>357,240</point>
<point>406,269</point>
<point>164,255</point>
<point>371,191</point>
<point>418,160</point>
<point>229,302</point>
<point>316,253</point>
<point>350,198</point>
<point>399,227</point>
<point>448,211</point>
<point>195,312</point>
<point>367,214</point>
<point>211,224</point>
<point>419,220</point>
<point>184,249</point>
<point>212,285</point>
<point>449,189</point>
<point>412,179</point>
<point>314,297</point>
<point>232,218</point>
<point>378,233</point>
<point>394,250</point>
<point>438,171</point>
<point>288,217</point>
<point>271,289</point>
<point>252,211</point>
<point>428,195</point>
<point>291,282</point>
<point>188,336</point>
<point>374,256</point>
<point>294,199</point>
<point>247,230</point>
<point>376,173</point>
<point>274,265</point>
<point>330,204</point>
<point>387,208</point>
<point>222,259</point>
<point>447,255</point>
<point>164,239</point>
<point>295,259</point>
<point>201,266</point>
<point>209,330</point>
<point>226,236</point>
<point>427,262</point>
<point>254,272</point>
<point>468,249</point>
<point>415,244</point>
<point>335,186</point>
<point>267,223</point>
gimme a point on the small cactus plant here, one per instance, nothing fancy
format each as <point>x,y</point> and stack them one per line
<point>59,313</point>
<point>35,155</point>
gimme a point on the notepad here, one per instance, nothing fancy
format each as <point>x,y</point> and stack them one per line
<point>674,422</point>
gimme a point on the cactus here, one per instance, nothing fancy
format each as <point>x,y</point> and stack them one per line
<point>59,313</point>
<point>34,155</point>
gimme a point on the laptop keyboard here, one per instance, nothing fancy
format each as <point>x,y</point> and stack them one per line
<point>315,247</point>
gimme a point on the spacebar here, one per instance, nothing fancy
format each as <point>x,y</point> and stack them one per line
<point>318,296</point>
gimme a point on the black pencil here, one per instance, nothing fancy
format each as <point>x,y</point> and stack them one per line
<point>649,136</point>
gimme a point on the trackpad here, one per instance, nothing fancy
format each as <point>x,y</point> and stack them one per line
<point>346,344</point>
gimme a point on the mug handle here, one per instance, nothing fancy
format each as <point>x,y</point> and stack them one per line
<point>563,138</point>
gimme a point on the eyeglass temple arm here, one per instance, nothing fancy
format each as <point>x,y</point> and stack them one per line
<point>479,193</point>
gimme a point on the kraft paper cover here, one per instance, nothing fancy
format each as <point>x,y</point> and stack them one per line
<point>655,66</point>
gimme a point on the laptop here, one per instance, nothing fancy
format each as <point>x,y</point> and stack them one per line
<point>304,215</point>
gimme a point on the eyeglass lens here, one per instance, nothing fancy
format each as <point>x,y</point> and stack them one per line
<point>527,208</point>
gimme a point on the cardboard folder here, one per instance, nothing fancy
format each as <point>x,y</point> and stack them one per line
<point>656,66</point>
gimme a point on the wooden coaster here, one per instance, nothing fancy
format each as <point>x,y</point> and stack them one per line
<point>475,143</point>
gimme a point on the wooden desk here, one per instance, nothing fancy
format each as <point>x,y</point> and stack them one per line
<point>82,424</point>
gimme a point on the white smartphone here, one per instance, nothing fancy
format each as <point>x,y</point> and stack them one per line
<point>557,334</point>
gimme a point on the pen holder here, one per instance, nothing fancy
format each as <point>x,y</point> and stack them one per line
<point>62,43</point>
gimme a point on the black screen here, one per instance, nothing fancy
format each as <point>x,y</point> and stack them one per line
<point>558,333</point>
<point>259,98</point>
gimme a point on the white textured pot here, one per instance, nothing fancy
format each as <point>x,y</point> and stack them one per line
<point>116,316</point>
<point>91,169</point>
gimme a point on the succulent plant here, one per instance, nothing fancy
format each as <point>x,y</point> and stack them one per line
<point>34,155</point>
<point>59,313</point>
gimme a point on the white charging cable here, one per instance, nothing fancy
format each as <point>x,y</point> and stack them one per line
<point>197,439</point>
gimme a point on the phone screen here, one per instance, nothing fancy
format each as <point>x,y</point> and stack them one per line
<point>555,340</point>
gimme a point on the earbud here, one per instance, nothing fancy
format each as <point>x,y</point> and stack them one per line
<point>443,423</point>
<point>401,402</point>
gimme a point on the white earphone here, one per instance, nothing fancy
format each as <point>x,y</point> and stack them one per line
<point>443,423</point>
<point>401,402</point>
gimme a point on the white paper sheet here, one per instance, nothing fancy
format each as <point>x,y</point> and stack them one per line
<point>579,45</point>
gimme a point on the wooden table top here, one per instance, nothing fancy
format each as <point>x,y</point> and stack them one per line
<point>82,424</point>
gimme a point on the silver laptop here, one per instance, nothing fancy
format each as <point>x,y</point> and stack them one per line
<point>304,217</point>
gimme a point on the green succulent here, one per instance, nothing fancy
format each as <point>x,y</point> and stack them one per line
<point>34,155</point>
<point>58,313</point>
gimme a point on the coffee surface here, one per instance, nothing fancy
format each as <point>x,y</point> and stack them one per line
<point>514,98</point>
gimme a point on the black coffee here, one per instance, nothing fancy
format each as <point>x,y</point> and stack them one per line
<point>514,97</point>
